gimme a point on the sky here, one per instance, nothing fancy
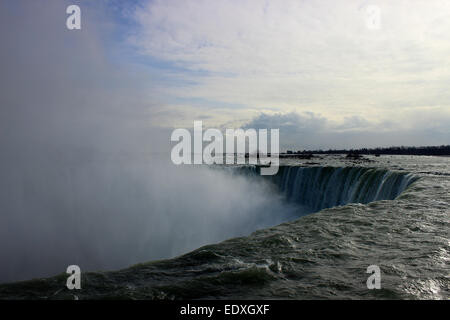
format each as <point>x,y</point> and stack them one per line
<point>328,74</point>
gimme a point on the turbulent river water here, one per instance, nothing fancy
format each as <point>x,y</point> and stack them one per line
<point>389,211</point>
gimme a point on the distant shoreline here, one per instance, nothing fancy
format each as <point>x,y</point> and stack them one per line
<point>443,150</point>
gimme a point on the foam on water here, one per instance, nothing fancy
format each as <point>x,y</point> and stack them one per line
<point>375,215</point>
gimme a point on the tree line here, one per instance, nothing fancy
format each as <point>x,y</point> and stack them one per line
<point>443,150</point>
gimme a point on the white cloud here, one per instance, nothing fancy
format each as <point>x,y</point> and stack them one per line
<point>312,131</point>
<point>291,56</point>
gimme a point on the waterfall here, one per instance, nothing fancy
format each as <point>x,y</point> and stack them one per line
<point>324,187</point>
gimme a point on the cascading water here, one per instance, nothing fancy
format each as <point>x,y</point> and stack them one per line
<point>317,188</point>
<point>319,256</point>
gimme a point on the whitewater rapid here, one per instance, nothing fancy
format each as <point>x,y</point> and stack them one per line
<point>392,212</point>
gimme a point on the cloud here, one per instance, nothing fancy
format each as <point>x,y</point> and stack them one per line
<point>312,131</point>
<point>353,122</point>
<point>295,56</point>
<point>292,123</point>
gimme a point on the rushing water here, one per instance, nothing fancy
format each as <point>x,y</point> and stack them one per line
<point>319,187</point>
<point>391,211</point>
